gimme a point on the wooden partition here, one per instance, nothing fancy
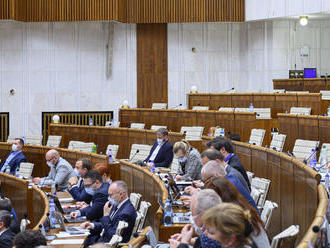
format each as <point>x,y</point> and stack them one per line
<point>25,200</point>
<point>238,122</point>
<point>313,85</point>
<point>4,126</point>
<point>103,136</point>
<point>307,127</point>
<point>278,102</point>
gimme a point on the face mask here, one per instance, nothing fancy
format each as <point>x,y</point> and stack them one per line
<point>90,191</point>
<point>76,172</point>
<point>182,160</point>
<point>113,202</point>
<point>159,141</point>
<point>14,147</point>
<point>50,164</point>
<point>198,230</point>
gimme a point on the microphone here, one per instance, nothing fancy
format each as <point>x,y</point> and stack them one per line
<point>176,106</point>
<point>226,91</point>
<point>137,151</point>
<point>312,154</point>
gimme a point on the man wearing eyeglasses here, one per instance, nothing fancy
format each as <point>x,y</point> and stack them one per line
<point>60,172</point>
<point>95,187</point>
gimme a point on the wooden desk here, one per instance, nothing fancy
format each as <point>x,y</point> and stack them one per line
<point>308,127</point>
<point>302,84</point>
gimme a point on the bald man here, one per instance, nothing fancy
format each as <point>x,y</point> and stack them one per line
<point>60,171</point>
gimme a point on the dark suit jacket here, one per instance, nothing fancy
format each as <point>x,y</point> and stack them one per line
<point>6,239</point>
<point>165,155</point>
<point>238,175</point>
<point>15,162</point>
<point>236,163</point>
<point>95,210</point>
<point>79,193</point>
<point>126,213</point>
<point>242,190</point>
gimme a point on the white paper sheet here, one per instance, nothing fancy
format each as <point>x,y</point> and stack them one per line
<point>67,242</point>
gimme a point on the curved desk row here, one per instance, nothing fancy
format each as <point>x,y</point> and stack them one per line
<point>278,102</point>
<point>294,186</point>
<point>307,127</point>
<point>25,200</point>
<point>235,122</point>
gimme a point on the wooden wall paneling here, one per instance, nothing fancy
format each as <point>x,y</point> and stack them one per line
<point>119,136</point>
<point>5,149</point>
<point>136,136</point>
<point>173,121</point>
<point>259,159</point>
<point>127,116</point>
<point>150,137</point>
<point>198,100</point>
<point>220,100</point>
<point>311,100</point>
<point>101,137</point>
<point>299,196</point>
<point>36,155</point>
<point>5,9</point>
<point>243,151</point>
<point>274,193</point>
<point>288,124</point>
<point>151,64</point>
<point>241,100</point>
<point>266,124</point>
<point>308,127</point>
<point>225,119</point>
<point>324,129</point>
<point>174,137</point>
<point>244,123</point>
<point>206,119</point>
<point>287,192</point>
<point>138,182</point>
<point>324,105</point>
<point>284,101</point>
<point>153,117</point>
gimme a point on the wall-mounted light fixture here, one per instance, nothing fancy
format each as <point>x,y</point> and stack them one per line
<point>303,20</point>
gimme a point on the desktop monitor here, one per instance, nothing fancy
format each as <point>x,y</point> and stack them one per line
<point>310,72</point>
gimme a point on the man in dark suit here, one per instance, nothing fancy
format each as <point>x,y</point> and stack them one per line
<point>15,157</point>
<point>5,204</point>
<point>76,184</point>
<point>6,235</point>
<point>225,146</point>
<point>118,208</point>
<point>95,187</point>
<point>161,153</point>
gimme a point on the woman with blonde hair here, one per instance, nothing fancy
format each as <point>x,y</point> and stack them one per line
<point>189,159</point>
<point>231,226</point>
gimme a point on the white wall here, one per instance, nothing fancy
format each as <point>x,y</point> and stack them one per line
<point>257,9</point>
<point>246,56</point>
<point>62,67</point>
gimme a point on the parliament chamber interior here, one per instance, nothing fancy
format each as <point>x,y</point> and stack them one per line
<point>164,123</point>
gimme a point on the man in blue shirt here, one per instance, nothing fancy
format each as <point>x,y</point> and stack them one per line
<point>15,157</point>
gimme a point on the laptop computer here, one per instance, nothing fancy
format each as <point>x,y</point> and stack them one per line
<point>70,229</point>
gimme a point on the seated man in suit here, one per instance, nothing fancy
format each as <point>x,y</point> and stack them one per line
<point>161,153</point>
<point>5,204</point>
<point>118,208</point>
<point>95,187</point>
<point>225,146</point>
<point>213,169</point>
<point>15,157</point>
<point>76,188</point>
<point>6,235</point>
<point>212,154</point>
<point>60,171</point>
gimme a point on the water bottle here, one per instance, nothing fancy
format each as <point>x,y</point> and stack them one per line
<point>329,111</point>
<point>52,214</point>
<point>152,166</point>
<point>312,160</point>
<point>168,213</point>
<point>7,169</point>
<point>327,181</point>
<point>323,157</point>
<point>91,121</point>
<point>222,132</point>
<point>42,230</point>
<point>16,171</point>
<point>251,109</point>
<point>110,158</point>
<point>111,123</point>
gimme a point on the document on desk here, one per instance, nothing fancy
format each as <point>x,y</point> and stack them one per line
<point>67,242</point>
<point>66,200</point>
<point>67,235</point>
